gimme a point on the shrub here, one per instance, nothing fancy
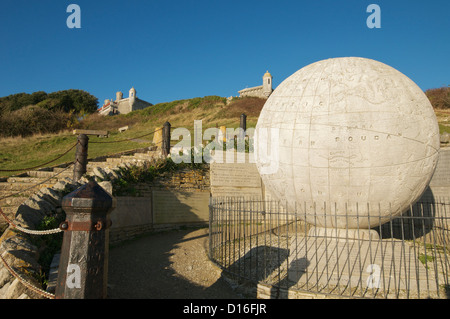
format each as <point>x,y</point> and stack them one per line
<point>440,97</point>
<point>33,119</point>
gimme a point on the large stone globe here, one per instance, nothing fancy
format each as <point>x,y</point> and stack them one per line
<point>347,142</point>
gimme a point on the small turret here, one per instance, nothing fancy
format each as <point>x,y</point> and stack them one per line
<point>132,96</point>
<point>267,84</point>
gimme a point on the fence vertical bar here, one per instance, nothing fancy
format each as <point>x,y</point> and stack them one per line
<point>432,212</point>
<point>211,218</point>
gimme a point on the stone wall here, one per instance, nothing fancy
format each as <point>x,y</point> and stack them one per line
<point>173,200</point>
<point>256,91</point>
<point>187,180</point>
<point>19,250</point>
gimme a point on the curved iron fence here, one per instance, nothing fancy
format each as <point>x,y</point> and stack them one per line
<point>263,242</point>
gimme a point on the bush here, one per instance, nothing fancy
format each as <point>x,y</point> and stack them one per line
<point>33,119</point>
<point>77,101</point>
<point>439,98</point>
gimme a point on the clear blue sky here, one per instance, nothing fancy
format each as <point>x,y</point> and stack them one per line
<point>174,49</point>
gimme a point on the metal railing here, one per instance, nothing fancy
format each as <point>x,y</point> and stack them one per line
<point>267,242</point>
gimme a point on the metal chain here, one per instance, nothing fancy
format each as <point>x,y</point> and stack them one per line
<point>26,283</point>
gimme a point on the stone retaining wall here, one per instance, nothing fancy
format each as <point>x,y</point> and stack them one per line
<point>18,249</point>
<point>175,199</point>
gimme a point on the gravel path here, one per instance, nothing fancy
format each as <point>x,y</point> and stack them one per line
<point>172,264</point>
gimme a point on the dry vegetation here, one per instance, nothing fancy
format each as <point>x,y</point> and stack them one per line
<point>212,110</point>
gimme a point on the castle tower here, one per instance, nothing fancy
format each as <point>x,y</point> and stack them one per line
<point>119,96</point>
<point>132,97</point>
<point>267,84</point>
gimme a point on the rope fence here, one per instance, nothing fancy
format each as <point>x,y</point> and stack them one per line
<point>30,232</point>
<point>71,148</point>
<point>24,282</point>
<point>50,231</point>
<point>41,165</point>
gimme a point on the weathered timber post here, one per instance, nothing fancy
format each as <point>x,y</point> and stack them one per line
<point>81,154</point>
<point>165,147</point>
<point>243,125</point>
<point>83,265</point>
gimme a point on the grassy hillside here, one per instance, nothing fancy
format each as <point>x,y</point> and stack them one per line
<point>19,152</point>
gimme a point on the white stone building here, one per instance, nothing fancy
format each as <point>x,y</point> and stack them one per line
<point>123,105</point>
<point>262,91</point>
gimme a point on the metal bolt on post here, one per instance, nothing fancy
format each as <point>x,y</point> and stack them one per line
<point>83,266</point>
<point>81,155</point>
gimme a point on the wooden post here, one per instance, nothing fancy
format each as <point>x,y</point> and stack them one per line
<point>83,265</point>
<point>243,126</point>
<point>81,154</point>
<point>165,147</point>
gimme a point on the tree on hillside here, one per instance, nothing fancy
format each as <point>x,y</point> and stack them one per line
<point>33,119</point>
<point>76,101</point>
<point>440,97</point>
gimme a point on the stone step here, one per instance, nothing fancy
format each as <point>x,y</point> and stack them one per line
<point>49,174</point>
<point>144,156</point>
<point>60,169</point>
<point>118,161</point>
<point>19,186</point>
<point>41,174</point>
<point>26,193</point>
<point>97,164</point>
<point>28,179</point>
<point>13,201</point>
<point>129,157</point>
<point>9,211</point>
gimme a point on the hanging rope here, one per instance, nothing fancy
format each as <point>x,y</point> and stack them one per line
<point>24,282</point>
<point>41,165</point>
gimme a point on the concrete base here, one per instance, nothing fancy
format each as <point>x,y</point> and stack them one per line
<point>361,234</point>
<point>390,268</point>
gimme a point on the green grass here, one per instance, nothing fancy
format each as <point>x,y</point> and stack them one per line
<point>443,128</point>
<point>18,153</point>
<point>425,259</point>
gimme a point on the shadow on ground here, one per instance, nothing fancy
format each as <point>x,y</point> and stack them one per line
<point>142,269</point>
